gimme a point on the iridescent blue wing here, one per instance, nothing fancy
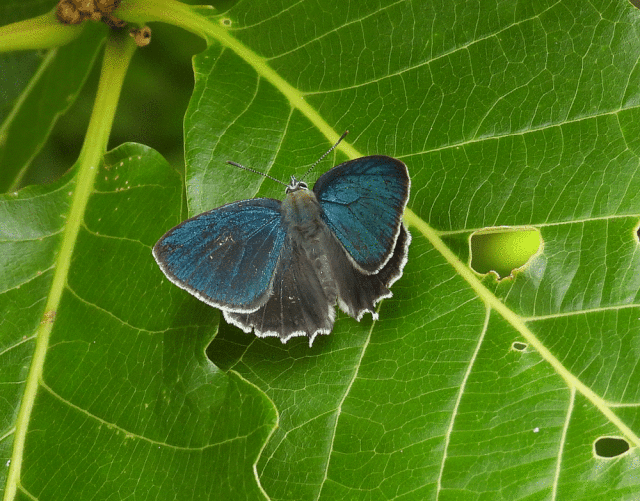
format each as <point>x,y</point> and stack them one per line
<point>363,201</point>
<point>227,256</point>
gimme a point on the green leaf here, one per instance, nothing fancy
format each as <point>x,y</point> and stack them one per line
<point>519,114</point>
<point>124,399</point>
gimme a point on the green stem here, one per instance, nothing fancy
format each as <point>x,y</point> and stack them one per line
<point>118,53</point>
<point>42,32</point>
<point>165,11</point>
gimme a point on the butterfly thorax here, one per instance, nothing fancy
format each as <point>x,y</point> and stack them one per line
<point>302,214</point>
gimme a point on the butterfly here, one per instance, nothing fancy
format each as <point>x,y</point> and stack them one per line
<point>279,267</point>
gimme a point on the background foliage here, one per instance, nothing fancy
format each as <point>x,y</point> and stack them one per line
<point>506,113</point>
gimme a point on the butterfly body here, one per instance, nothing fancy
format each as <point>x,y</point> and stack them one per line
<point>301,213</point>
<point>279,268</point>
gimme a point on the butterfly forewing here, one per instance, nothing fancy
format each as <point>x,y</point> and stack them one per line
<point>227,256</point>
<point>363,201</point>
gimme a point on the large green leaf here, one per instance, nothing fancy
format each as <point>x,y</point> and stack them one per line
<point>508,113</point>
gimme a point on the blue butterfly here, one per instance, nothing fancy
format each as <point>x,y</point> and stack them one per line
<point>279,267</point>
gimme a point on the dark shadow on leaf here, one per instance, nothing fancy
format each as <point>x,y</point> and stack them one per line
<point>519,346</point>
<point>611,447</point>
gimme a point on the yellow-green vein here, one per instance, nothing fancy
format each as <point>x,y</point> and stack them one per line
<point>116,60</point>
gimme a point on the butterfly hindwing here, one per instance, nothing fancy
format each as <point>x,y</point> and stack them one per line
<point>227,256</point>
<point>359,292</point>
<point>363,201</point>
<point>301,303</point>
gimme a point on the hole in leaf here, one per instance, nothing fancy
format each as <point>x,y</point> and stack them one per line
<point>611,447</point>
<point>519,346</point>
<point>225,21</point>
<point>503,249</point>
<point>638,228</point>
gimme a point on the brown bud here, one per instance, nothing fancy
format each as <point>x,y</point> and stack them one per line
<point>141,36</point>
<point>67,12</point>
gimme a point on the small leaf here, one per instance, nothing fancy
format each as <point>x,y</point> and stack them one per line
<point>503,250</point>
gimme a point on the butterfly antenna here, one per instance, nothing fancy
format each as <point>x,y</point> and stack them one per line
<point>255,171</point>
<point>322,157</point>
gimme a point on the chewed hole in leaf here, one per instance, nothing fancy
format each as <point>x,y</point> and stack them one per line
<point>503,250</point>
<point>611,447</point>
<point>519,346</point>
<point>638,229</point>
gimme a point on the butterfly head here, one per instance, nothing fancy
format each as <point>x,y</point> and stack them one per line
<point>296,185</point>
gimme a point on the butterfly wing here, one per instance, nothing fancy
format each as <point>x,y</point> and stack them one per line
<point>226,257</point>
<point>358,292</point>
<point>302,302</point>
<point>363,201</point>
